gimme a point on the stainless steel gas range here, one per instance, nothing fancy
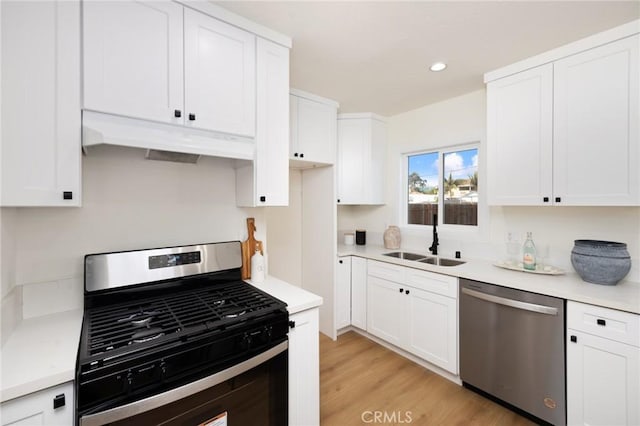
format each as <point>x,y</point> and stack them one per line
<point>173,336</point>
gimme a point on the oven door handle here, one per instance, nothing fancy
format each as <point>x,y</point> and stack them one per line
<point>540,309</point>
<point>155,401</point>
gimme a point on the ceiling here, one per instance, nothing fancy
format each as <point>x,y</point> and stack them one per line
<point>375,56</point>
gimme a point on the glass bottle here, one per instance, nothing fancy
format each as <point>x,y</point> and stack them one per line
<point>529,254</point>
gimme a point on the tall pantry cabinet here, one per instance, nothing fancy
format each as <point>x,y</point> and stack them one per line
<point>302,235</point>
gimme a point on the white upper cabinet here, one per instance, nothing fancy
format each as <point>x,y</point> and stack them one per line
<point>159,61</point>
<point>133,59</point>
<point>520,134</point>
<point>362,145</point>
<point>313,130</point>
<point>220,75</point>
<point>265,181</point>
<point>41,151</point>
<point>567,132</point>
<point>596,147</point>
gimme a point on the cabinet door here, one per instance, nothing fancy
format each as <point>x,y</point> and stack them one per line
<point>386,310</point>
<point>603,381</point>
<point>343,292</point>
<point>41,154</point>
<point>133,59</point>
<point>596,145</point>
<point>362,145</point>
<point>220,75</point>
<point>375,166</point>
<point>37,408</point>
<point>316,134</point>
<point>272,132</point>
<point>304,369</point>
<point>519,138</point>
<point>359,292</point>
<point>354,136</point>
<point>433,329</point>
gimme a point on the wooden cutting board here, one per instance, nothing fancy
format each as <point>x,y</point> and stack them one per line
<point>249,248</point>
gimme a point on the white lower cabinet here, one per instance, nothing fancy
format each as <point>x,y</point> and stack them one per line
<point>343,292</point>
<point>386,309</point>
<point>603,366</point>
<point>304,370</point>
<point>432,328</point>
<point>417,312</point>
<point>359,292</point>
<point>38,408</point>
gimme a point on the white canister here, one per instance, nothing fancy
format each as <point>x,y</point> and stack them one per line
<point>349,239</point>
<point>257,267</point>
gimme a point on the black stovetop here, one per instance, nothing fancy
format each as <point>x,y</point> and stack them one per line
<point>135,323</point>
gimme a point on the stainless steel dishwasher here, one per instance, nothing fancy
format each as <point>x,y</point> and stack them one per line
<point>512,347</point>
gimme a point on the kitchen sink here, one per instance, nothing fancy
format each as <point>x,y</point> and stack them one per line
<point>405,255</point>
<point>440,261</point>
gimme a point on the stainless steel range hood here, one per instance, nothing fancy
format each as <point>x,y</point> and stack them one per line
<point>99,128</point>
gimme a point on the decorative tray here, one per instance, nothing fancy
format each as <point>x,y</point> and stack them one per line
<point>548,270</point>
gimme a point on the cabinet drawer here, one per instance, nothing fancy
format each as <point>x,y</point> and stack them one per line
<point>386,271</point>
<point>619,326</point>
<point>434,283</point>
<point>37,408</point>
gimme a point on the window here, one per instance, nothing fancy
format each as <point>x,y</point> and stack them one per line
<point>443,183</point>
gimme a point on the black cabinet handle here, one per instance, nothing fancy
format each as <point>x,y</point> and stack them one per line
<point>263,198</point>
<point>558,199</point>
<point>406,292</point>
<point>292,324</point>
<point>301,155</point>
<point>574,339</point>
<point>545,200</point>
<point>601,322</point>
<point>340,262</point>
<point>295,154</point>
<point>338,199</point>
<point>192,117</point>
<point>401,290</point>
<point>67,195</point>
<point>177,113</point>
<point>59,401</point>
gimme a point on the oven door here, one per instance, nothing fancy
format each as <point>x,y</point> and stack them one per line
<point>252,392</point>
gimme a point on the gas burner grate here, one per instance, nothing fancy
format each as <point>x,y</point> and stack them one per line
<point>182,313</point>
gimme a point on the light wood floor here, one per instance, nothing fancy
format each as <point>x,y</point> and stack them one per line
<point>359,376</point>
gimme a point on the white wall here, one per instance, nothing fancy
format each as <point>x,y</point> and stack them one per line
<point>462,120</point>
<point>284,233</point>
<point>128,203</point>
<point>10,313</point>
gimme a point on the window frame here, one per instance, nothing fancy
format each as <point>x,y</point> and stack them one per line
<point>452,228</point>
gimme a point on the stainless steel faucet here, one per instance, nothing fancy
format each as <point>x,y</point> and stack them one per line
<point>434,246</point>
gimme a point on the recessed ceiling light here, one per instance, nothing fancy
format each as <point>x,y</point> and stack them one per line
<point>438,66</point>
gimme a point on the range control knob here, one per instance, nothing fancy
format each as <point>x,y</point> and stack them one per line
<point>246,341</point>
<point>129,380</point>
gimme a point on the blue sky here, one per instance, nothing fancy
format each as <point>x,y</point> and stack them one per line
<point>461,164</point>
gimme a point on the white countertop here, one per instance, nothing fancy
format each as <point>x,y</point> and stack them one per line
<point>624,296</point>
<point>40,353</point>
<point>296,298</point>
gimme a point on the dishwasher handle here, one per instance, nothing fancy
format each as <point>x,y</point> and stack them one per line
<point>540,309</point>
